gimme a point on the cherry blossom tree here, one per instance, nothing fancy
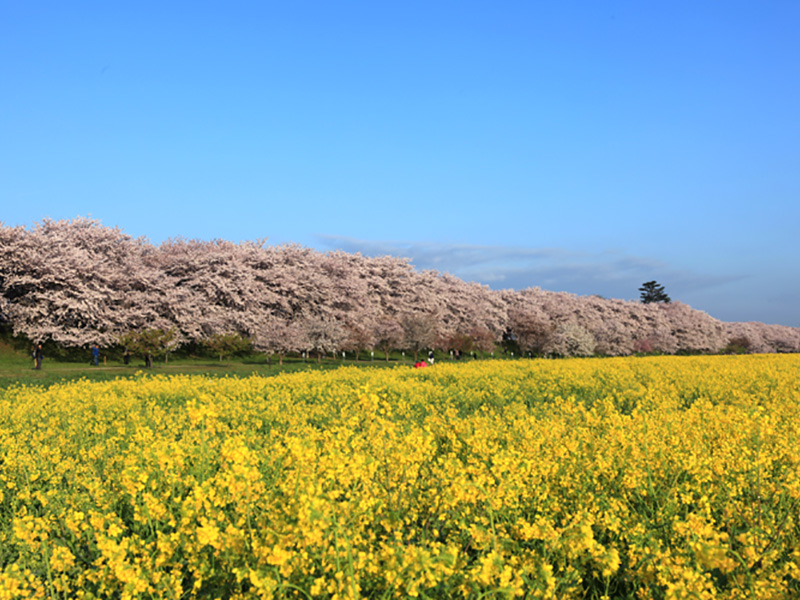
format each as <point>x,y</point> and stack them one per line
<point>214,290</point>
<point>280,337</point>
<point>483,340</point>
<point>324,335</point>
<point>388,335</point>
<point>420,332</point>
<point>694,330</point>
<point>764,338</point>
<point>531,329</point>
<point>359,336</point>
<point>571,339</point>
<point>70,281</point>
<point>78,283</point>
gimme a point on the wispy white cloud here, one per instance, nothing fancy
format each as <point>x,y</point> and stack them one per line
<point>612,273</point>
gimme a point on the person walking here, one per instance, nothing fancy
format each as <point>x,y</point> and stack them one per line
<point>96,355</point>
<point>38,356</point>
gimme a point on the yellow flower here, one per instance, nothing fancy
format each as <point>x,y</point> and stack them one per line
<point>208,534</point>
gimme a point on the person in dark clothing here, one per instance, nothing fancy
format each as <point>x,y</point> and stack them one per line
<point>96,355</point>
<point>38,356</point>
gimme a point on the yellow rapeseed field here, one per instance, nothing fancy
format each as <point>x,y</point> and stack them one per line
<point>663,477</point>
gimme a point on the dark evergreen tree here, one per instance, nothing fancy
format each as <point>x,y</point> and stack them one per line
<point>653,292</point>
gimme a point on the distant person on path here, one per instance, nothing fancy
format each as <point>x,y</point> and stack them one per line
<point>38,356</point>
<point>430,357</point>
<point>96,355</point>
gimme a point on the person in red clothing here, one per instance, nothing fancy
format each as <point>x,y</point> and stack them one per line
<point>420,364</point>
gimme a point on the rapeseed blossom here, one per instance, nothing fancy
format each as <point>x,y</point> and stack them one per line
<point>663,477</point>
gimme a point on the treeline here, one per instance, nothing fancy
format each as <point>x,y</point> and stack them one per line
<point>78,283</point>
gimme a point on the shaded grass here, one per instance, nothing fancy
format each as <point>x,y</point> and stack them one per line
<point>16,366</point>
<point>16,369</point>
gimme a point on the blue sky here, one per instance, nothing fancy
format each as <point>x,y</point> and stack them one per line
<point>578,146</point>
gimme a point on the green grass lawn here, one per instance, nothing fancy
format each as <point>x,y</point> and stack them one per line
<point>17,369</point>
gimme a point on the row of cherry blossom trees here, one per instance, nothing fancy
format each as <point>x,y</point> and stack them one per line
<point>79,283</point>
